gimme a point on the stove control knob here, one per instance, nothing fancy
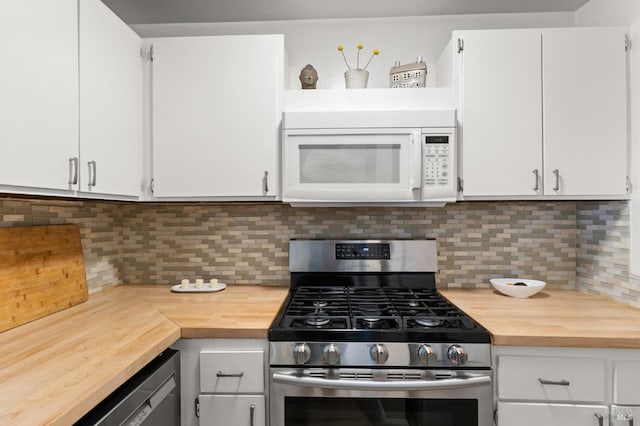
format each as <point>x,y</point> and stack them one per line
<point>426,355</point>
<point>301,353</point>
<point>331,354</point>
<point>457,355</point>
<point>379,354</point>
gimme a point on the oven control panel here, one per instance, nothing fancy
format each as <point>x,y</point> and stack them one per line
<point>363,251</point>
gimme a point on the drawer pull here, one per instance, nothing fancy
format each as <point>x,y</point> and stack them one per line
<point>222,374</point>
<point>252,410</point>
<point>554,382</point>
<point>600,418</point>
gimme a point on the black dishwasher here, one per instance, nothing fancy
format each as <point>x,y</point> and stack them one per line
<point>151,397</point>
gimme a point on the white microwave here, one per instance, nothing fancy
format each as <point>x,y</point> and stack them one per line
<point>369,157</point>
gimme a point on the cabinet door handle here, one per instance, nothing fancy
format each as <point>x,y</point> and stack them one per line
<point>557,173</point>
<point>600,418</point>
<point>554,382</point>
<point>73,171</point>
<point>536,186</point>
<point>252,410</point>
<point>222,374</point>
<point>265,183</point>
<point>92,174</point>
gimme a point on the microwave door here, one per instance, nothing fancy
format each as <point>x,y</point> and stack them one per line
<point>351,166</point>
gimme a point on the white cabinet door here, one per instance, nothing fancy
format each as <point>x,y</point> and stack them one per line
<point>232,410</point>
<point>585,111</point>
<point>501,115</point>
<point>524,414</point>
<point>110,103</point>
<point>39,92</point>
<point>216,115</point>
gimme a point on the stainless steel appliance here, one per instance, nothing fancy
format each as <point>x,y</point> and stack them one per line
<point>364,338</point>
<point>355,157</point>
<point>151,397</point>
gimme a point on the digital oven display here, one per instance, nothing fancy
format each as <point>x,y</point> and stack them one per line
<point>436,139</point>
<point>363,251</point>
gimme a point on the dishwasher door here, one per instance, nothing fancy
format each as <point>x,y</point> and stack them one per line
<point>151,397</point>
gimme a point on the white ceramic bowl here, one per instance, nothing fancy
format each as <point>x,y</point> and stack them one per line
<point>513,287</point>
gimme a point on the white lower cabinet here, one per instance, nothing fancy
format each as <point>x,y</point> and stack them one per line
<point>230,410</point>
<point>223,382</point>
<point>529,414</point>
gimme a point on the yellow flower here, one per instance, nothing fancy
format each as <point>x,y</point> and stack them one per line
<point>360,45</point>
<point>376,51</point>
<point>340,47</point>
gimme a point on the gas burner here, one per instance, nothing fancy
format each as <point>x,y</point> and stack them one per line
<point>320,304</point>
<point>414,303</point>
<point>429,322</point>
<point>317,320</point>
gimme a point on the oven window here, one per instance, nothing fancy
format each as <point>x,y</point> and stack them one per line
<point>366,164</point>
<point>305,411</point>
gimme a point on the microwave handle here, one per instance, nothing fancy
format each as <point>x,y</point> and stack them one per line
<point>416,160</point>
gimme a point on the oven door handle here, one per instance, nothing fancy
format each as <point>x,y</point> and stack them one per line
<point>369,385</point>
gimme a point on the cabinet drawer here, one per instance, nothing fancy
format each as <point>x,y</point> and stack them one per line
<point>626,376</point>
<point>232,410</point>
<point>232,371</point>
<point>566,378</point>
<point>523,414</point>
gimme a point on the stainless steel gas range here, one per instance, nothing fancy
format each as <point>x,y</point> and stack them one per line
<point>364,338</point>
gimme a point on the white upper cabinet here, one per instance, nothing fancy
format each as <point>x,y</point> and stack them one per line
<point>216,116</point>
<point>585,111</point>
<point>39,95</point>
<point>110,103</point>
<point>500,112</point>
<point>543,113</point>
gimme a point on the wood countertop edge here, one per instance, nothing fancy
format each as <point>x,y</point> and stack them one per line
<point>92,399</point>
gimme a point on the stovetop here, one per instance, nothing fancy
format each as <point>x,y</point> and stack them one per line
<point>373,313</point>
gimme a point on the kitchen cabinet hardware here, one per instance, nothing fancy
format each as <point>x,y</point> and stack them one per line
<point>627,43</point>
<point>252,410</point>
<point>556,172</point>
<point>222,374</point>
<point>460,45</point>
<point>600,418</point>
<point>554,382</point>
<point>536,173</point>
<point>460,184</point>
<point>196,406</point>
<point>73,171</point>
<point>265,183</point>
<point>92,174</point>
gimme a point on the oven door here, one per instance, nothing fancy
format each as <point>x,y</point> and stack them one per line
<point>354,165</point>
<point>356,397</point>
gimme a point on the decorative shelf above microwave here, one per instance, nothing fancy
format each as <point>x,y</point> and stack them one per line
<point>368,99</point>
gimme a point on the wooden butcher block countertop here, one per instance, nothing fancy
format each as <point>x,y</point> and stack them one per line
<point>55,369</point>
<point>239,311</point>
<point>551,318</point>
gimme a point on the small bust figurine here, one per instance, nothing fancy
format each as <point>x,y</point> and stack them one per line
<point>308,77</point>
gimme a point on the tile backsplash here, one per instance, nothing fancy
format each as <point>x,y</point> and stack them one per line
<point>603,251</point>
<point>568,244</point>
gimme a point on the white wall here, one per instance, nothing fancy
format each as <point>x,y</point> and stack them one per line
<point>625,13</point>
<point>315,41</point>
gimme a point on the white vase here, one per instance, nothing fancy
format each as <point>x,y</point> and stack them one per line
<point>356,78</point>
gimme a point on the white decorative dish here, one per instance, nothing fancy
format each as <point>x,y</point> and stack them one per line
<point>517,287</point>
<point>206,288</point>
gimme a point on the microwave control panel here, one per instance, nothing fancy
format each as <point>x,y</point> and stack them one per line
<point>437,160</point>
